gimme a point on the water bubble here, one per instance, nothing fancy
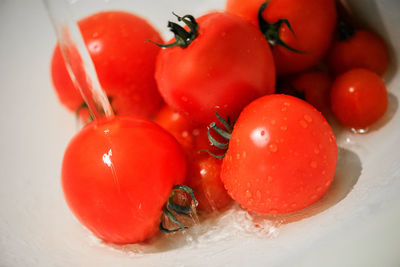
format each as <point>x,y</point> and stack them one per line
<point>283,127</point>
<point>303,124</point>
<point>273,148</point>
<point>248,194</point>
<point>307,118</point>
<point>314,164</point>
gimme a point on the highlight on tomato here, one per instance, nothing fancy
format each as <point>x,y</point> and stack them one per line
<point>218,60</point>
<point>124,61</point>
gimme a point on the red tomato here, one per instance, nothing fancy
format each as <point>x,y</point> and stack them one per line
<point>316,86</point>
<point>281,156</point>
<point>117,175</point>
<point>179,126</point>
<point>358,98</point>
<point>313,22</point>
<point>363,49</point>
<point>124,63</point>
<point>228,65</point>
<point>204,178</point>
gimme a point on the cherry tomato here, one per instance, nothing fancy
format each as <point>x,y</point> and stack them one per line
<point>204,178</point>
<point>179,126</point>
<point>363,49</point>
<point>358,98</point>
<point>124,62</point>
<point>228,65</point>
<point>313,23</point>
<point>316,86</point>
<point>281,156</point>
<point>117,175</point>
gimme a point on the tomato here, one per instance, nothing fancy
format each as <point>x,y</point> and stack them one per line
<point>179,126</point>
<point>358,98</point>
<point>316,86</point>
<point>204,178</point>
<point>228,64</point>
<point>124,63</point>
<point>312,21</point>
<point>117,175</point>
<point>363,49</point>
<point>281,156</point>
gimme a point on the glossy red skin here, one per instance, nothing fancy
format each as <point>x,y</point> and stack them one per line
<point>358,98</point>
<point>204,178</point>
<point>316,86</point>
<point>313,22</point>
<point>281,157</point>
<point>363,50</point>
<point>228,65</point>
<point>247,10</point>
<point>124,62</point>
<point>121,200</point>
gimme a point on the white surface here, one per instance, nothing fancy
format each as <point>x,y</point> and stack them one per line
<point>37,229</point>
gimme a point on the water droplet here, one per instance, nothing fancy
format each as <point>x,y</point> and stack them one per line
<point>285,205</point>
<point>269,179</point>
<point>268,200</point>
<point>248,185</point>
<point>303,124</point>
<point>258,194</point>
<point>286,104</point>
<point>285,118</point>
<point>273,212</point>
<point>273,148</point>
<point>237,156</point>
<point>244,154</point>
<point>328,183</point>
<point>307,118</point>
<point>185,134</point>
<point>248,194</point>
<point>316,151</point>
<point>184,98</point>
<point>95,34</point>
<point>313,197</point>
<point>284,109</point>
<point>283,127</point>
<point>293,205</point>
<point>319,188</point>
<point>314,164</point>
<point>323,172</point>
<point>273,122</point>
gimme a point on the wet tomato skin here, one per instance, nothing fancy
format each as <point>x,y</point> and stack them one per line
<point>362,50</point>
<point>281,156</point>
<point>358,98</point>
<point>117,175</point>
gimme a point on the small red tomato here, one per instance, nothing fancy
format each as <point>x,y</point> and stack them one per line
<point>124,62</point>
<point>312,21</point>
<point>177,125</point>
<point>204,178</point>
<point>316,86</point>
<point>281,156</point>
<point>228,64</point>
<point>363,49</point>
<point>117,175</point>
<point>358,98</point>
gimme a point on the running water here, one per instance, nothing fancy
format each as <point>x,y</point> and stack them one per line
<point>77,59</point>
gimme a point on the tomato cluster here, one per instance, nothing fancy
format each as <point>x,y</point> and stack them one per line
<point>245,92</point>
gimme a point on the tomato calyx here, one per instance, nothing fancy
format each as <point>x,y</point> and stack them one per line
<point>271,30</point>
<point>225,134</point>
<point>183,38</point>
<point>171,209</point>
<point>345,30</point>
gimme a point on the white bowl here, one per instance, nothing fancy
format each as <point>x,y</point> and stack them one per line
<point>356,224</point>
